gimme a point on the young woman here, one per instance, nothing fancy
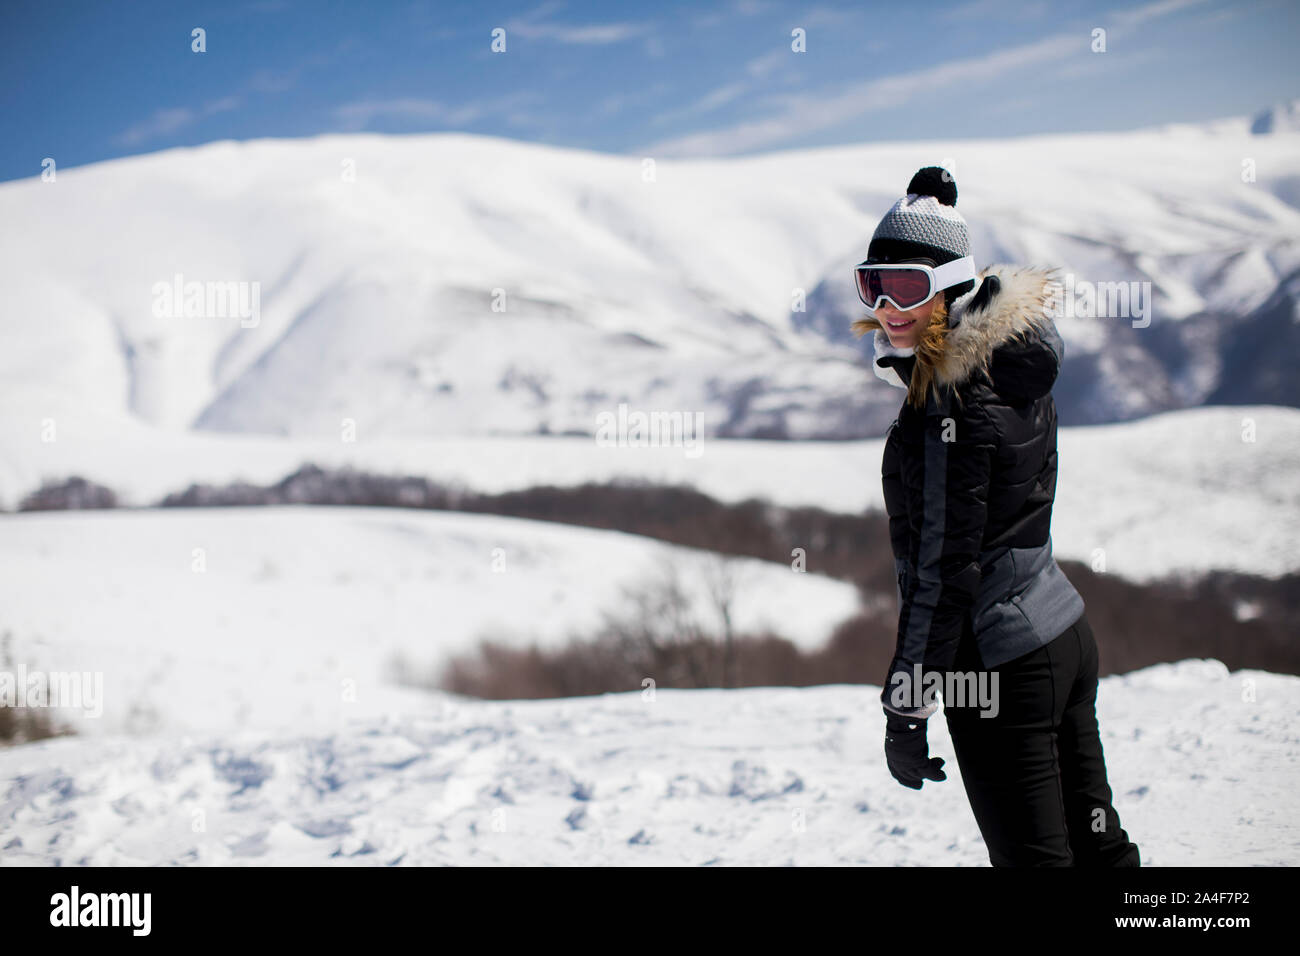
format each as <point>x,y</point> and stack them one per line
<point>969,475</point>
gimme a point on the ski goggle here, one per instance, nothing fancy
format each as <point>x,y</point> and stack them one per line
<point>909,284</point>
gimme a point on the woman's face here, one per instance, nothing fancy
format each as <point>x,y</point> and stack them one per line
<point>904,328</point>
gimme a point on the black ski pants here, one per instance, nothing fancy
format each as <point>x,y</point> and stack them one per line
<point>1035,774</point>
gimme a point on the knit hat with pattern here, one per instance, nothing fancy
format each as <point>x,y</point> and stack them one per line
<point>924,224</point>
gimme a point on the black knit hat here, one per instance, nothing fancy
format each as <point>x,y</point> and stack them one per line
<point>925,224</point>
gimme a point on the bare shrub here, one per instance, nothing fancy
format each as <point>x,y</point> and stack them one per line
<point>21,725</point>
<point>656,634</point>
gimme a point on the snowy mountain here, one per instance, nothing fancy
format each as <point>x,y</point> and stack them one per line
<point>452,284</point>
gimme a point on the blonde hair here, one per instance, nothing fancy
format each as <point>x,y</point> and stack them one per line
<point>928,351</point>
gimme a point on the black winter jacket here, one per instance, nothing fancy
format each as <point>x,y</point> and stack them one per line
<point>969,486</point>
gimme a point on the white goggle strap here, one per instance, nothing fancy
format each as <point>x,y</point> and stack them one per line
<point>954,273</point>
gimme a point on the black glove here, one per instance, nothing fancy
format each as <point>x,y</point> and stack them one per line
<point>908,753</point>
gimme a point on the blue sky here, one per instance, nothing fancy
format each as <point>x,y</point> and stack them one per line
<point>86,81</point>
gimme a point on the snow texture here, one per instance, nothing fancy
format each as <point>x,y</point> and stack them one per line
<point>1203,764</point>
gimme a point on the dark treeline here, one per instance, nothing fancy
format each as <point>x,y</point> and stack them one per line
<point>1242,620</point>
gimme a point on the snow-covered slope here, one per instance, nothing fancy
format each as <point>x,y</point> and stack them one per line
<point>758,776</point>
<point>290,617</point>
<point>1180,492</point>
<point>376,292</point>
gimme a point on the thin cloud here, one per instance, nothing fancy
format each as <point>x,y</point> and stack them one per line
<point>758,68</point>
<point>354,117</point>
<point>761,66</point>
<point>166,121</point>
<point>359,115</point>
<point>272,81</point>
<point>617,102</point>
<point>986,9</point>
<point>595,34</point>
<point>160,123</point>
<point>804,113</point>
<point>532,26</point>
<point>225,104</point>
<point>736,8</point>
<point>752,8</point>
<point>1150,11</point>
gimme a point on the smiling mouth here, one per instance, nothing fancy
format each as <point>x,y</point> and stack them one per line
<point>899,326</point>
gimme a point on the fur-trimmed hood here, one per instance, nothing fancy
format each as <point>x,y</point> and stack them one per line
<point>1003,329</point>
